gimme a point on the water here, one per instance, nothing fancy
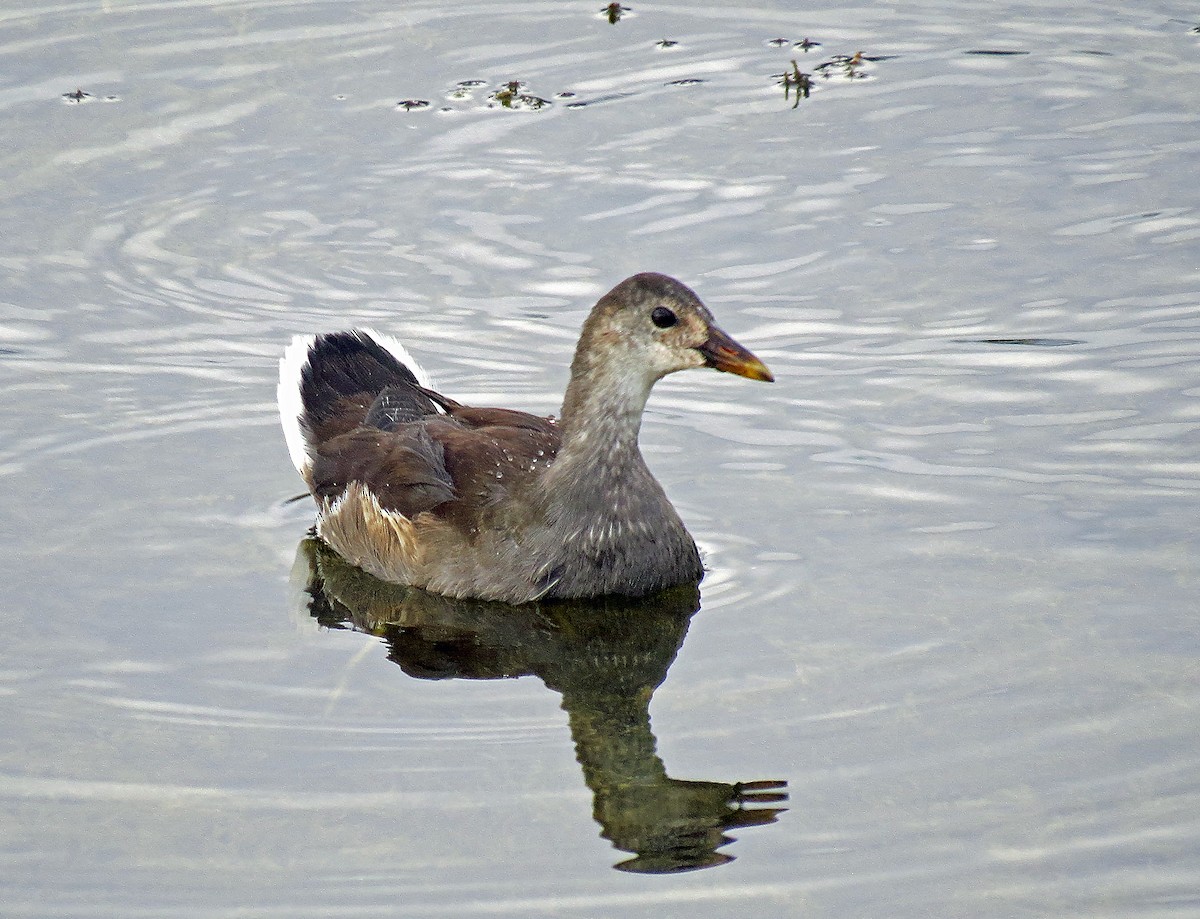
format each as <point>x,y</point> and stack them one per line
<point>953,564</point>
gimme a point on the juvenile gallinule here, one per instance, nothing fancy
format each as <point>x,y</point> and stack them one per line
<point>496,504</point>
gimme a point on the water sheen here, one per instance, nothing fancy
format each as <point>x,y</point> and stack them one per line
<point>952,551</point>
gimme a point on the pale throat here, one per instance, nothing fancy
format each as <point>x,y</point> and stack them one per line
<point>602,413</point>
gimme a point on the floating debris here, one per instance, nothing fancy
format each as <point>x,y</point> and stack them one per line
<point>1023,342</point>
<point>797,80</point>
<point>991,52</point>
<point>77,97</point>
<point>465,89</point>
<point>778,42</point>
<point>409,104</point>
<point>850,67</point>
<point>665,43</point>
<point>505,96</point>
<point>508,93</point>
<point>687,81</point>
<point>600,100</point>
<point>509,96</point>
<point>847,66</point>
<point>614,11</point>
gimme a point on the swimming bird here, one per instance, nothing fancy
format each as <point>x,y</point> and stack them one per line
<point>493,503</point>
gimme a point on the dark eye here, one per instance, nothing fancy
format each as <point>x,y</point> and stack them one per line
<point>663,317</point>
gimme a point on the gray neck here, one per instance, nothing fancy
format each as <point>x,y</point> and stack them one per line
<point>599,470</point>
<point>610,526</point>
<point>602,411</point>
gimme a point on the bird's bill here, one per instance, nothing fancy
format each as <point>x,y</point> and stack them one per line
<point>723,353</point>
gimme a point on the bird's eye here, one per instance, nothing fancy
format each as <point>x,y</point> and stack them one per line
<point>663,317</point>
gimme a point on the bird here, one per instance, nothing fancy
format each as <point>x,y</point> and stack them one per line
<point>496,504</point>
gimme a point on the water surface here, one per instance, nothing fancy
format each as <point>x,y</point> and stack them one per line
<point>952,552</point>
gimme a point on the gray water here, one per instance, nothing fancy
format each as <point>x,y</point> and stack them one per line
<point>952,553</point>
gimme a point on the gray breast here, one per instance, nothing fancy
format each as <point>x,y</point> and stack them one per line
<point>615,534</point>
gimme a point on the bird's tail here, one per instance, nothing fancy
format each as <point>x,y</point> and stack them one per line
<point>329,383</point>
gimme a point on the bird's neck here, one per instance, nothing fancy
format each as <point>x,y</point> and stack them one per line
<point>602,411</point>
<point>614,529</point>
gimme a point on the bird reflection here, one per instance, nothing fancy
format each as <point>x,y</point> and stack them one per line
<point>604,657</point>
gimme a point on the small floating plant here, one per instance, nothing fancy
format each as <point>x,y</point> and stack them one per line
<point>614,11</point>
<point>849,66</point>
<point>798,84</point>
<point>514,95</point>
<point>797,80</point>
<point>511,96</point>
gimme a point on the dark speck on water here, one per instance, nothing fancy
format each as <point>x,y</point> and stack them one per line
<point>1025,342</point>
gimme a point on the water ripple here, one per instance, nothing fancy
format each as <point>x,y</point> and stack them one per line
<point>951,588</point>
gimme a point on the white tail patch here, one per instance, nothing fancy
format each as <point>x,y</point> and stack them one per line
<point>291,406</point>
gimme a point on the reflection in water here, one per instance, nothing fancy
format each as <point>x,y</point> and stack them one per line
<point>606,658</point>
